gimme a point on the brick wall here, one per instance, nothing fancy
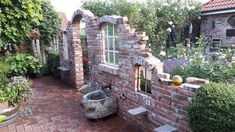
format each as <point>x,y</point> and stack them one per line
<point>221,25</point>
<point>165,105</point>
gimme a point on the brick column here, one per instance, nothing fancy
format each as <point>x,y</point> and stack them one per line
<point>77,64</point>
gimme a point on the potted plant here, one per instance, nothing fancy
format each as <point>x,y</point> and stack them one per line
<point>14,94</point>
<point>5,90</point>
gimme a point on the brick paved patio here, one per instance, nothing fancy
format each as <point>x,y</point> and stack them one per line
<point>56,107</point>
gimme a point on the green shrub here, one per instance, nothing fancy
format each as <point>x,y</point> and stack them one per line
<point>23,64</point>
<point>53,61</point>
<point>6,91</point>
<point>213,109</point>
<point>213,71</point>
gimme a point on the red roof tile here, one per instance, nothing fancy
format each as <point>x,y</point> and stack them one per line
<point>64,20</point>
<point>215,5</point>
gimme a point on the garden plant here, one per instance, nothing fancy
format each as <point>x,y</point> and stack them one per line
<point>213,108</point>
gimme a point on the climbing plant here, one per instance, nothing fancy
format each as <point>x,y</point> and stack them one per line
<point>16,20</point>
<point>49,26</point>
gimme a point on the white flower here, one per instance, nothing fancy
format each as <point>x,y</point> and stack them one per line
<point>163,53</point>
<point>191,7</point>
<point>170,22</point>
<point>165,4</point>
<point>169,30</point>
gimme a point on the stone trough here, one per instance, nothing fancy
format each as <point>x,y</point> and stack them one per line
<point>97,104</point>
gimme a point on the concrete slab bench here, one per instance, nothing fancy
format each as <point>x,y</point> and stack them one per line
<point>63,69</point>
<point>139,111</point>
<point>165,128</point>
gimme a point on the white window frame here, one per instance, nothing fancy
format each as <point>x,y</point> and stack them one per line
<point>114,51</point>
<point>147,78</point>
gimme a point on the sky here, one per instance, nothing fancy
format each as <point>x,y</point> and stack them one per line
<point>69,6</point>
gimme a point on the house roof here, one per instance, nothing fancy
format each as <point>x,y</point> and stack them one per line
<point>218,5</point>
<point>64,21</point>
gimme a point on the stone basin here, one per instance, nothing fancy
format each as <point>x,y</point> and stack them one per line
<point>97,104</point>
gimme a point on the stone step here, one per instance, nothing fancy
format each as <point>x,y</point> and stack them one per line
<point>165,128</point>
<point>138,111</point>
<point>63,69</point>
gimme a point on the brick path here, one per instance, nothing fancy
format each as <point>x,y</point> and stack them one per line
<point>56,107</point>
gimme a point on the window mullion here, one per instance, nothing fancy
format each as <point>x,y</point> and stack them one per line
<point>145,79</point>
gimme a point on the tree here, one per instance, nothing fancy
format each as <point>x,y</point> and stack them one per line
<point>17,16</point>
<point>49,26</point>
<point>158,19</point>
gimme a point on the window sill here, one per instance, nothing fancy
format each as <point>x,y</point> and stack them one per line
<point>145,94</point>
<point>109,69</point>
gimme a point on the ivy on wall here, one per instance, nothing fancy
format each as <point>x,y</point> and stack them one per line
<point>17,16</point>
<point>49,26</point>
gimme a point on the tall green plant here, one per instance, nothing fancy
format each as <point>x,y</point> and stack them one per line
<point>53,62</point>
<point>49,26</point>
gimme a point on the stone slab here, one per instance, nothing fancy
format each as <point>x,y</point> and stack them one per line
<point>138,111</point>
<point>165,128</point>
<point>63,69</point>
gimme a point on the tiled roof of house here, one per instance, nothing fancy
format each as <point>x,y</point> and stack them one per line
<point>216,5</point>
<point>64,20</point>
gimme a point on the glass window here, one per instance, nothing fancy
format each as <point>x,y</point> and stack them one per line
<point>110,36</point>
<point>144,80</point>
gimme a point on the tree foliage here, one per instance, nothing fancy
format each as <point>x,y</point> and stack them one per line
<point>49,26</point>
<point>158,19</point>
<point>17,16</point>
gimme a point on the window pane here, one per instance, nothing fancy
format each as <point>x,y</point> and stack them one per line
<point>116,58</point>
<point>115,30</point>
<point>148,86</point>
<point>106,43</point>
<point>116,44</point>
<point>111,58</point>
<point>143,83</point>
<point>110,29</point>
<point>110,42</point>
<point>105,30</point>
<point>106,56</point>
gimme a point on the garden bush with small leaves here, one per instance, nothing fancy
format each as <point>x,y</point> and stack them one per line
<point>213,109</point>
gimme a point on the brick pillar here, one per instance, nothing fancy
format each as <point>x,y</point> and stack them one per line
<point>77,64</point>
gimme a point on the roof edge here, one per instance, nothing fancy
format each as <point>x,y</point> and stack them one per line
<point>215,12</point>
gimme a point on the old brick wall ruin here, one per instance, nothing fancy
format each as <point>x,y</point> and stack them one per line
<point>165,105</point>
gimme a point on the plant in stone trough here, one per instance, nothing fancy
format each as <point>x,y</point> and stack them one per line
<point>23,89</point>
<point>213,109</point>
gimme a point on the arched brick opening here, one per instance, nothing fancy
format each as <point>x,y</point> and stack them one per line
<point>77,71</point>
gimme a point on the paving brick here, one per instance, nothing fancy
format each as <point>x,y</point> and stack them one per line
<point>56,107</point>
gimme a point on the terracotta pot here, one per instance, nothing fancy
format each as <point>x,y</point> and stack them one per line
<point>4,105</point>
